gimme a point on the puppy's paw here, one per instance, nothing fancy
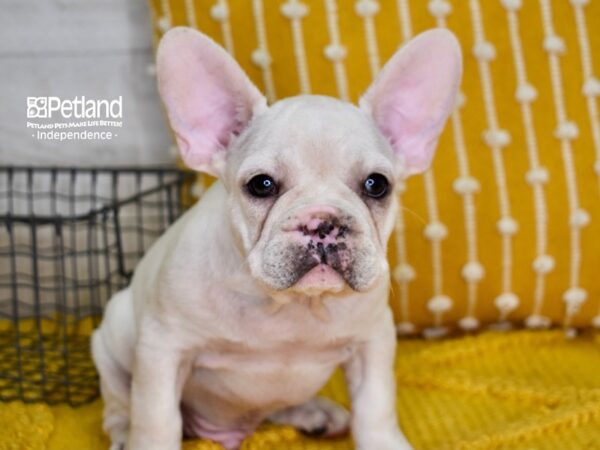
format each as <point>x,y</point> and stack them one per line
<point>118,436</point>
<point>318,417</point>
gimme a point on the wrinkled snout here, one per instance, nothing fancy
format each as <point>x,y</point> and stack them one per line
<point>317,248</point>
<point>320,234</point>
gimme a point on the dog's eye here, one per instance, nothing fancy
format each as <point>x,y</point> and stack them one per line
<point>376,186</point>
<point>262,186</point>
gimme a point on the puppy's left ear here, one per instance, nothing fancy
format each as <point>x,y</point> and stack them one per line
<point>413,95</point>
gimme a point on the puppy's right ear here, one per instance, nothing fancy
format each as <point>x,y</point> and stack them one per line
<point>207,95</point>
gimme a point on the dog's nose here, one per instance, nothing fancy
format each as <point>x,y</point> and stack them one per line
<point>319,223</point>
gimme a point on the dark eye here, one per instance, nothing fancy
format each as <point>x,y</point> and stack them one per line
<point>376,186</point>
<point>262,186</point>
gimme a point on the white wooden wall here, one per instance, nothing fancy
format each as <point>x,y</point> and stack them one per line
<point>67,48</point>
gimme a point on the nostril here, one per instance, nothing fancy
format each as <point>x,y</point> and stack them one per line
<point>341,232</point>
<point>324,229</point>
<point>313,224</point>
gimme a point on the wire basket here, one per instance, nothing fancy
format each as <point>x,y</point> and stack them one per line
<point>69,239</point>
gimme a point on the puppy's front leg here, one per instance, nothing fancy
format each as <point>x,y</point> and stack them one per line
<point>372,386</point>
<point>155,417</point>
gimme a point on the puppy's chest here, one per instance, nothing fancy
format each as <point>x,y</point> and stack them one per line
<point>279,375</point>
<point>230,356</point>
<point>256,341</point>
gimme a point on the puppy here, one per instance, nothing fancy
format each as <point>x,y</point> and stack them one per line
<point>241,311</point>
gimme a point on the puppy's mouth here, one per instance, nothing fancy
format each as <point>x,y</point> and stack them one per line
<point>322,267</point>
<point>321,278</point>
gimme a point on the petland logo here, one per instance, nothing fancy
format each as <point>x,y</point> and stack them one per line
<point>78,108</point>
<point>87,113</point>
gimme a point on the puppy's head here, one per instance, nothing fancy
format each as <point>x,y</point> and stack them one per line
<point>310,179</point>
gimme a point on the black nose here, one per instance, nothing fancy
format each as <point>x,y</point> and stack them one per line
<point>324,229</point>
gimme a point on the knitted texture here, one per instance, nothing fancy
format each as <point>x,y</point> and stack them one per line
<point>518,390</point>
<point>505,224</point>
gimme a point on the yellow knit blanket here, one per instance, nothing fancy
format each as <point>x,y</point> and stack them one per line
<point>519,390</point>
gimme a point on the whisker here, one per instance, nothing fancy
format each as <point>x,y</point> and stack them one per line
<point>392,289</point>
<point>423,221</point>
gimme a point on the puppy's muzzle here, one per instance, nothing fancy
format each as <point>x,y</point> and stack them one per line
<point>320,235</point>
<point>318,248</point>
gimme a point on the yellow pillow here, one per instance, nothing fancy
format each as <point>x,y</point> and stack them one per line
<point>506,225</point>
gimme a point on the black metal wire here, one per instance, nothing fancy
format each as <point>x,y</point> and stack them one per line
<point>70,238</point>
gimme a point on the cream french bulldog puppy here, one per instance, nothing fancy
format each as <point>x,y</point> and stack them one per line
<point>241,311</point>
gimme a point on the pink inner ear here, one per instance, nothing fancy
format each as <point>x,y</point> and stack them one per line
<point>208,97</point>
<point>411,128</point>
<point>203,115</point>
<point>413,96</point>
